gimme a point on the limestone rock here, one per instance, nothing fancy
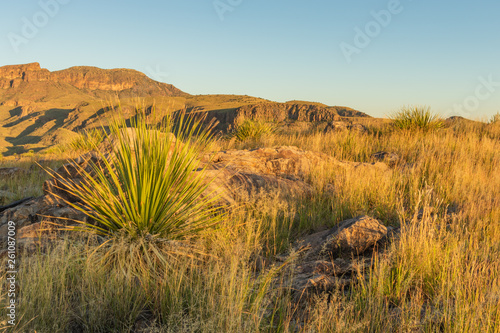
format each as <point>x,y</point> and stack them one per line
<point>290,161</point>
<point>357,127</point>
<point>355,235</point>
<point>326,261</point>
<point>282,112</point>
<point>87,78</point>
<point>389,157</point>
<point>335,126</point>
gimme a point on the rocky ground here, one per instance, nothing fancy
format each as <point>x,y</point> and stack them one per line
<point>327,260</point>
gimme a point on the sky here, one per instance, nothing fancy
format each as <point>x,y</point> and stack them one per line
<point>374,56</point>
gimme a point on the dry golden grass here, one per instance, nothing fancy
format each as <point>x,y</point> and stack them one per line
<point>442,275</point>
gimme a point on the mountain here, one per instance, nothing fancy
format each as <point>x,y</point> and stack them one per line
<point>29,83</point>
<point>40,108</point>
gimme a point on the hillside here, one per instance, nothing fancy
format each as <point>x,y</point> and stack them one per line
<point>40,108</point>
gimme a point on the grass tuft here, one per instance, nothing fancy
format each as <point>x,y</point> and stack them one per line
<point>495,118</point>
<point>416,117</point>
<point>253,130</point>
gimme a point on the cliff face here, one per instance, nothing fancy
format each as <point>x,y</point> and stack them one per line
<point>279,112</point>
<point>12,76</point>
<point>295,111</point>
<point>87,78</point>
<point>18,71</point>
<point>97,79</point>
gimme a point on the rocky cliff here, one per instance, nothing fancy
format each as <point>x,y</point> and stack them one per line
<point>88,78</point>
<point>279,112</point>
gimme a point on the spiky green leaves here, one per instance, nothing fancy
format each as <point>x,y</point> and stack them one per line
<point>151,185</point>
<point>416,118</point>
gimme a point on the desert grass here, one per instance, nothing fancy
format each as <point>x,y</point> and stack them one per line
<point>440,275</point>
<point>495,118</point>
<point>253,130</point>
<point>416,118</point>
<point>29,179</point>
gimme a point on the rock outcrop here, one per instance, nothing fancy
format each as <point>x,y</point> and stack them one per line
<point>282,112</point>
<point>88,78</point>
<point>237,175</point>
<point>340,126</point>
<point>387,157</point>
<point>329,259</point>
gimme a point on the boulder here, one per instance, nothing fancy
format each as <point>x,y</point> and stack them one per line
<point>328,259</point>
<point>357,127</point>
<point>335,126</point>
<point>287,161</point>
<point>340,126</point>
<point>384,156</point>
<point>354,236</point>
<point>280,161</point>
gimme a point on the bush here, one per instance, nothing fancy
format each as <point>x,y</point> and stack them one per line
<point>87,140</point>
<point>147,195</point>
<point>253,130</point>
<point>495,118</point>
<point>416,117</point>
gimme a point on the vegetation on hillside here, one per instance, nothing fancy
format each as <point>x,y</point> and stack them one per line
<point>441,275</point>
<point>416,117</point>
<point>252,130</point>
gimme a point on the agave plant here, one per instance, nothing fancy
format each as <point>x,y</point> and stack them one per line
<point>416,117</point>
<point>149,191</point>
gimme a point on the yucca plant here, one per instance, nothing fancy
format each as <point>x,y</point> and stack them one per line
<point>416,117</point>
<point>253,130</point>
<point>149,192</point>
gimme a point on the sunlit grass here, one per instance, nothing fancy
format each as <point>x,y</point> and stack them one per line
<point>440,275</point>
<point>416,117</point>
<point>253,130</point>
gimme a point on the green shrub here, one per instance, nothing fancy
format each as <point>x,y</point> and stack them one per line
<point>416,117</point>
<point>30,153</point>
<point>147,195</point>
<point>87,140</point>
<point>252,130</point>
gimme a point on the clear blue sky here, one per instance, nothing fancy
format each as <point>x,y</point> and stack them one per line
<point>428,52</point>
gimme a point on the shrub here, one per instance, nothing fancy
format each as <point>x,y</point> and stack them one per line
<point>30,153</point>
<point>87,140</point>
<point>416,117</point>
<point>147,195</point>
<point>253,130</point>
<point>495,118</point>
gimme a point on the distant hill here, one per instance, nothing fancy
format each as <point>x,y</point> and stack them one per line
<point>283,112</point>
<point>21,84</point>
<point>40,108</point>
